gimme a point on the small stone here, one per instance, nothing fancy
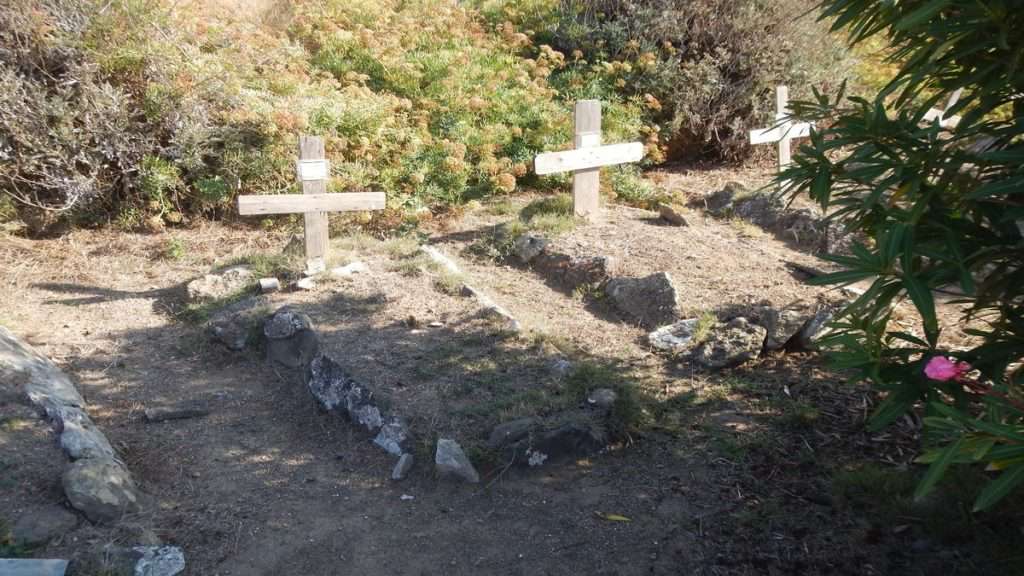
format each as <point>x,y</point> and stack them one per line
<point>814,330</point>
<point>602,398</point>
<point>291,339</point>
<point>220,285</point>
<point>349,270</point>
<point>306,284</point>
<point>406,497</point>
<point>268,285</point>
<point>782,324</point>
<point>677,338</point>
<point>435,325</point>
<point>571,272</point>
<point>510,432</point>
<point>652,300</point>
<point>237,325</point>
<point>101,489</point>
<point>180,412</point>
<point>576,439</point>
<point>673,214</point>
<point>527,247</point>
<point>393,436</point>
<point>40,525</point>
<point>285,322</point>
<point>731,344</point>
<point>32,567</point>
<point>159,561</point>
<point>402,467</point>
<point>561,366</point>
<point>451,461</point>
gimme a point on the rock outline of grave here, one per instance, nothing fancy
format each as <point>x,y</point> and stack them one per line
<point>97,482</point>
<point>561,271</point>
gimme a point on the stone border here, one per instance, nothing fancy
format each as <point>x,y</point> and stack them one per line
<point>490,306</point>
<point>97,483</point>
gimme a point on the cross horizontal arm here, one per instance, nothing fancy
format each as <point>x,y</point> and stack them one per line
<point>776,133</point>
<point>584,158</point>
<point>296,203</point>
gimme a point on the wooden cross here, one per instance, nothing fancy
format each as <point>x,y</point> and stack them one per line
<point>784,130</point>
<point>586,159</point>
<point>314,202</point>
<point>941,113</point>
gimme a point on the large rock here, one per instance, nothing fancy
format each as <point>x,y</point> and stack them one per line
<point>334,388</point>
<point>40,525</point>
<point>393,436</point>
<point>813,330</point>
<point>651,301</point>
<point>79,436</point>
<point>720,203</point>
<point>527,247</point>
<point>226,283</point>
<point>677,338</point>
<point>570,272</point>
<point>291,339</point>
<point>784,323</point>
<point>238,325</point>
<point>731,344</point>
<point>38,378</point>
<point>510,432</point>
<point>100,488</point>
<point>451,462</point>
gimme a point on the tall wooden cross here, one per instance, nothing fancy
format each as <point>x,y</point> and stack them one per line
<point>784,130</point>
<point>314,202</point>
<point>586,159</point>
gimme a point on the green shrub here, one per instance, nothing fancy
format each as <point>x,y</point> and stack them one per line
<point>940,208</point>
<point>701,72</point>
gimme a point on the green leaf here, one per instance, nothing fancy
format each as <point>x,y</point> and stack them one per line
<point>999,488</point>
<point>937,470</point>
<point>923,300</point>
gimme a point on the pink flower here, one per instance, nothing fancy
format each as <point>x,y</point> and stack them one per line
<point>945,369</point>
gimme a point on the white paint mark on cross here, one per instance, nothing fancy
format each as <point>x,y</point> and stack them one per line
<point>941,114</point>
<point>586,159</point>
<point>784,130</point>
<point>314,202</point>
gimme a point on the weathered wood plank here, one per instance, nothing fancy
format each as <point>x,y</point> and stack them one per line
<point>316,226</point>
<point>586,182</point>
<point>319,203</point>
<point>777,133</point>
<point>782,111</point>
<point>587,158</point>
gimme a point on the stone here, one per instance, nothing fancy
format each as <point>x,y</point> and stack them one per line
<point>574,439</point>
<point>45,385</point>
<point>759,208</point>
<point>784,323</point>
<point>100,488</point>
<point>237,325</point>
<point>813,330</point>
<point>219,285</point>
<point>673,214</point>
<point>402,467</point>
<point>142,560</point>
<point>80,438</point>
<point>268,285</point>
<point>451,462</point>
<point>569,272</point>
<point>348,270</point>
<point>40,525</point>
<point>561,367</point>
<point>720,203</point>
<point>159,561</point>
<point>731,344</point>
<point>393,436</point>
<point>527,247</point>
<point>651,301</point>
<point>32,567</point>
<point>510,432</point>
<point>676,338</point>
<point>603,398</point>
<point>179,412</point>
<point>285,323</point>
<point>334,388</point>
<point>306,284</point>
<point>291,340</point>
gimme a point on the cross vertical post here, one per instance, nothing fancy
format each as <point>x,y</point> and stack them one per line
<point>781,112</point>
<point>311,149</point>
<point>586,184</point>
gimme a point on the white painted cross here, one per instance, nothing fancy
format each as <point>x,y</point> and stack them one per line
<point>314,202</point>
<point>784,130</point>
<point>944,120</point>
<point>586,159</point>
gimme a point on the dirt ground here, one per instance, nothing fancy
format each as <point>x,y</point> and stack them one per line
<point>764,469</point>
